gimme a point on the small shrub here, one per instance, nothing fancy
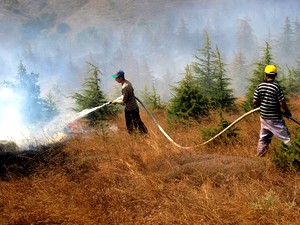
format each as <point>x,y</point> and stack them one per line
<point>287,157</point>
<point>230,136</point>
<point>269,201</point>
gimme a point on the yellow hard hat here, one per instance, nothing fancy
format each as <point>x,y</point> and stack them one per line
<point>270,69</point>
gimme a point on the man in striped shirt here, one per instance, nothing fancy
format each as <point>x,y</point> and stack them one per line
<point>269,97</point>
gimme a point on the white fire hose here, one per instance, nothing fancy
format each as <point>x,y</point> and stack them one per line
<point>87,111</point>
<point>204,143</point>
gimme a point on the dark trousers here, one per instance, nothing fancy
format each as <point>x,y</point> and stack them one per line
<point>134,122</point>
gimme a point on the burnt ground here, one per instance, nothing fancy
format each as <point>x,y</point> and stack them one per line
<point>17,164</point>
<point>196,168</point>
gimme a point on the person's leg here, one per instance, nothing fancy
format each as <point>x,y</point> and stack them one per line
<point>280,131</point>
<point>129,121</point>
<point>137,121</point>
<point>265,138</point>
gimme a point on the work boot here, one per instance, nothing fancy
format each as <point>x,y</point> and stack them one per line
<point>262,152</point>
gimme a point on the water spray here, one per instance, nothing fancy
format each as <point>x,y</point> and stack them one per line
<point>85,112</point>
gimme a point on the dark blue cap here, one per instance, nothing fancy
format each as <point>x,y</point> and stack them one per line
<point>119,73</point>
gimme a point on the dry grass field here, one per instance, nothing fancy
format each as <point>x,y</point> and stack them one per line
<point>115,178</point>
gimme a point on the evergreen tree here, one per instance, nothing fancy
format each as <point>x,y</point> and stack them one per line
<point>210,73</point>
<point>146,76</point>
<point>188,101</point>
<point>164,84</point>
<point>34,108</point>
<point>183,38</point>
<point>238,71</point>
<point>223,95</point>
<point>296,39</point>
<point>257,76</point>
<point>204,67</point>
<point>91,96</point>
<point>151,99</point>
<point>168,31</point>
<point>246,40</point>
<point>291,81</point>
<point>285,43</point>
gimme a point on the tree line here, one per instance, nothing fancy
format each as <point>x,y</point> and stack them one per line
<point>205,86</point>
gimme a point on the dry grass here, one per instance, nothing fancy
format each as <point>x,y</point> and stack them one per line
<point>120,179</point>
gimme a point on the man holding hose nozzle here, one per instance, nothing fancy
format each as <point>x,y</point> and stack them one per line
<point>269,97</point>
<point>132,113</point>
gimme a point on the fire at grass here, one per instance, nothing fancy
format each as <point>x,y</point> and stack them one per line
<point>23,157</point>
<point>21,161</point>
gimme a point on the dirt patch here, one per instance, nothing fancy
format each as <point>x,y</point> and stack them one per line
<point>196,169</point>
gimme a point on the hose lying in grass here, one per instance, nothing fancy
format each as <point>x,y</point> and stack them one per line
<point>204,143</point>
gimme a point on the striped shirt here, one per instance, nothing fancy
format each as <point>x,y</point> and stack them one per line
<point>269,94</point>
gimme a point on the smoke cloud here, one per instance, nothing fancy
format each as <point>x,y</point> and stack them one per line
<point>150,42</point>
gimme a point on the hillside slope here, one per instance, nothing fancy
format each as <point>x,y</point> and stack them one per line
<point>82,13</point>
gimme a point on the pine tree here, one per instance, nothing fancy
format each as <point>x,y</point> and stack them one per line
<point>204,67</point>
<point>167,32</point>
<point>183,38</point>
<point>291,81</point>
<point>91,96</point>
<point>296,39</point>
<point>188,101</point>
<point>210,73</point>
<point>151,99</point>
<point>246,39</point>
<point>238,71</point>
<point>34,108</point>
<point>164,84</point>
<point>223,95</point>
<point>257,76</point>
<point>285,42</point>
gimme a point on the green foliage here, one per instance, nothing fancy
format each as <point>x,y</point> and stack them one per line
<point>239,71</point>
<point>228,137</point>
<point>91,96</point>
<point>223,96</point>
<point>291,82</point>
<point>285,42</point>
<point>287,157</point>
<point>246,40</point>
<point>204,67</point>
<point>257,76</point>
<point>188,101</point>
<point>34,108</point>
<point>210,73</point>
<point>268,201</point>
<point>152,99</point>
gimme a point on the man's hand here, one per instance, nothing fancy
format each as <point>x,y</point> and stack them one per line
<point>117,100</point>
<point>287,114</point>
